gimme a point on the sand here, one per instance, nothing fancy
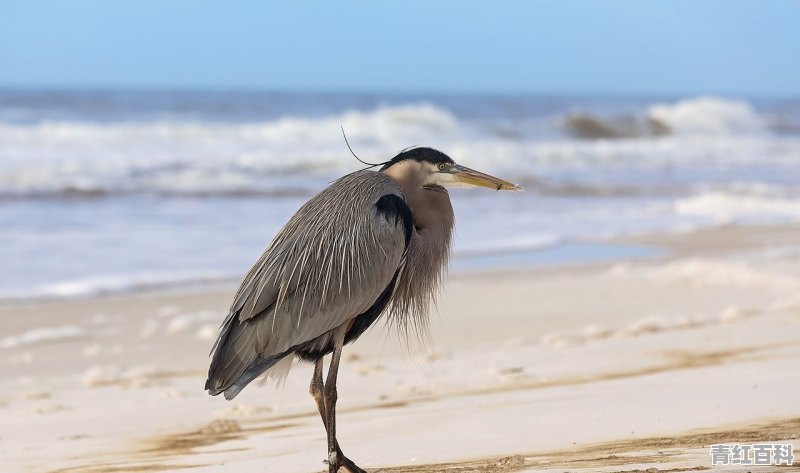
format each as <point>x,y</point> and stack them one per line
<point>624,366</point>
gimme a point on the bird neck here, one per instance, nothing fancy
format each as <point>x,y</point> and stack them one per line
<point>428,251</point>
<point>430,205</point>
<point>431,209</point>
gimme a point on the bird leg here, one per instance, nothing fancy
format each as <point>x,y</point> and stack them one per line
<point>316,390</point>
<point>330,396</point>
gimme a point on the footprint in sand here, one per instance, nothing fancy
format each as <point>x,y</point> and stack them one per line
<point>34,395</point>
<point>173,394</point>
<point>49,408</point>
<point>221,426</point>
<point>243,410</point>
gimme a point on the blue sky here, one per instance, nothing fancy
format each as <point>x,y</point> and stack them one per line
<point>592,47</point>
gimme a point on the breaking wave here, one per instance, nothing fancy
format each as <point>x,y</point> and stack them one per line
<point>85,159</point>
<point>703,116</point>
<point>150,193</point>
<point>293,156</point>
<point>708,116</point>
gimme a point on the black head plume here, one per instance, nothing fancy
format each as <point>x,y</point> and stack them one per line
<point>371,165</point>
<point>421,154</point>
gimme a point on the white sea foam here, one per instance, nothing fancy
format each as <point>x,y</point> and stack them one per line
<point>119,284</point>
<point>70,158</point>
<point>295,154</point>
<point>720,162</point>
<point>708,116</point>
<point>729,207</point>
<point>506,243</point>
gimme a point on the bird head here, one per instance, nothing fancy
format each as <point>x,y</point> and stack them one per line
<point>433,168</point>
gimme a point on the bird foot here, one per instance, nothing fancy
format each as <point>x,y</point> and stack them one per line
<point>337,461</point>
<point>350,466</point>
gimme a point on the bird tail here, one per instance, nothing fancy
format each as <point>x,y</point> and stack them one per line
<point>215,383</point>
<point>254,371</point>
<point>235,361</point>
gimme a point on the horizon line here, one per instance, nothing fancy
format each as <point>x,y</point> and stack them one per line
<point>139,88</point>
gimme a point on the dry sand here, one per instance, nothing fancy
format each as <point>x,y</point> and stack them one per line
<point>621,367</point>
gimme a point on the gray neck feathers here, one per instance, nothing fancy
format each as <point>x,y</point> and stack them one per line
<point>426,262</point>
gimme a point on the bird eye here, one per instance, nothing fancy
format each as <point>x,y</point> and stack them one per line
<point>442,166</point>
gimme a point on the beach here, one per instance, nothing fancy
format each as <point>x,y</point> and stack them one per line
<point>604,197</point>
<point>633,364</point>
<point>637,304</point>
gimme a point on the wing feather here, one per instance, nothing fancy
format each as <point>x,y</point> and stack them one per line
<point>329,263</point>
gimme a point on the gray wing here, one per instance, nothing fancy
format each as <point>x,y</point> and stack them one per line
<point>330,263</point>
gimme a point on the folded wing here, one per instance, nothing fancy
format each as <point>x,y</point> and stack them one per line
<point>331,262</point>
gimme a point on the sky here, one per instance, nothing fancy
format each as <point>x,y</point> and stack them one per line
<point>586,47</point>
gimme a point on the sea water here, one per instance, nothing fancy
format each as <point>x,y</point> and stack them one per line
<point>106,192</point>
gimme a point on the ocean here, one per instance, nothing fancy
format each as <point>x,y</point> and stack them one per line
<point>105,192</point>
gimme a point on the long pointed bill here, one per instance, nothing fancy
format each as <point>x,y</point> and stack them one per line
<point>472,177</point>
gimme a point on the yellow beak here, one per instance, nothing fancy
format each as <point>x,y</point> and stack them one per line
<point>472,177</point>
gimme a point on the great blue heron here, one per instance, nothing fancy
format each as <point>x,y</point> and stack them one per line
<point>370,242</point>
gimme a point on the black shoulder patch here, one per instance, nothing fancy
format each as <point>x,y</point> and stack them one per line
<point>394,207</point>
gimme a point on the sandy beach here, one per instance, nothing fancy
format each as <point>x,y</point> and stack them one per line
<point>611,367</point>
<point>635,310</point>
<point>612,187</point>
